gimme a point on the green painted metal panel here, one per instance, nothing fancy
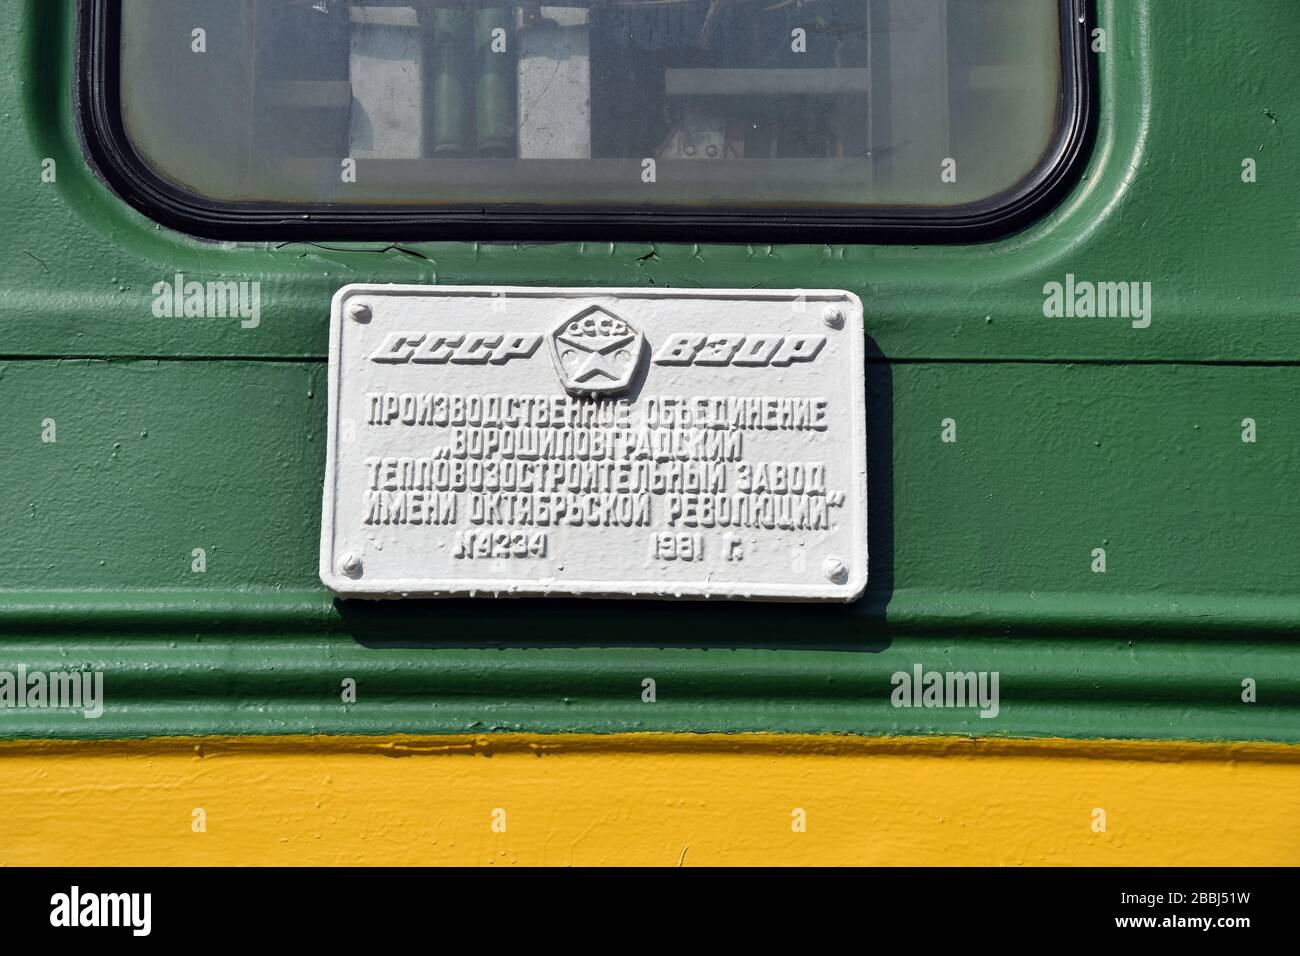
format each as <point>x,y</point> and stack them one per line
<point>156,458</point>
<point>1073,434</point>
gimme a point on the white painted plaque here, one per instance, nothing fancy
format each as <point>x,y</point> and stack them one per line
<point>653,443</point>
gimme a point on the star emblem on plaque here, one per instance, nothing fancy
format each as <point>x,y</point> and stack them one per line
<point>596,352</point>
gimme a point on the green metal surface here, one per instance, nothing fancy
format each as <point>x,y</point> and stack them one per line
<point>1072,435</point>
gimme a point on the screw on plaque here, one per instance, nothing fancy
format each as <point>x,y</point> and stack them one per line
<point>833,316</point>
<point>837,572</point>
<point>359,311</point>
<point>350,565</point>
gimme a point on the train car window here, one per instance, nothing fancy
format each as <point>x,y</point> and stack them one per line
<point>805,107</point>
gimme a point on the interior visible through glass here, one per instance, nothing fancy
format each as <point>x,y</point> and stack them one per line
<point>628,103</point>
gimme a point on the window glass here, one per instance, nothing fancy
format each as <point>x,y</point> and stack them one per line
<point>805,104</point>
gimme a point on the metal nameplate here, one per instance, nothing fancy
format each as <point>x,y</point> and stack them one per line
<point>642,443</point>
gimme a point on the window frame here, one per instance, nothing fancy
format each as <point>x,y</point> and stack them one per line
<point>115,160</point>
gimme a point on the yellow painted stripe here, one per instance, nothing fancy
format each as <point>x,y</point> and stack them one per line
<point>652,799</point>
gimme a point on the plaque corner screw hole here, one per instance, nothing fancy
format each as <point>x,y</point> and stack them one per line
<point>359,311</point>
<point>350,565</point>
<point>833,316</point>
<point>837,572</point>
